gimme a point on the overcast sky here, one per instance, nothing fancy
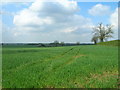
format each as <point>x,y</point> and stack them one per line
<point>70,21</point>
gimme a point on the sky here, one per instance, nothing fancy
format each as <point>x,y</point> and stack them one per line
<point>71,21</point>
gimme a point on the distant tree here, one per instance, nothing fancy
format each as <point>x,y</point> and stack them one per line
<point>62,43</point>
<point>56,43</point>
<point>94,39</point>
<point>77,43</point>
<point>102,32</point>
<point>41,45</point>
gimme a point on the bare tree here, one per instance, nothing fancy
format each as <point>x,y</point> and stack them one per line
<point>94,39</point>
<point>62,43</point>
<point>102,32</point>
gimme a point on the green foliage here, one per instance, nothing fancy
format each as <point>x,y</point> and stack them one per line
<point>91,66</point>
<point>77,43</point>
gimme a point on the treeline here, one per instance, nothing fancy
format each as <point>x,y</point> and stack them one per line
<point>53,44</point>
<point>57,44</point>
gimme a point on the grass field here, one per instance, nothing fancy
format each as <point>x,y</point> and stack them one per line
<point>90,66</point>
<point>111,43</point>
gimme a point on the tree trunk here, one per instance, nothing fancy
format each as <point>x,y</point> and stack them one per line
<point>101,40</point>
<point>95,42</point>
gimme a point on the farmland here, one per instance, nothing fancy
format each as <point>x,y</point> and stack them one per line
<point>110,43</point>
<point>90,66</point>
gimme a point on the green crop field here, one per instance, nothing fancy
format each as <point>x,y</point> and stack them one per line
<point>111,43</point>
<point>89,66</point>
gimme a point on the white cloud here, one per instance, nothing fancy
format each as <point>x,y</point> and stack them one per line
<point>114,18</point>
<point>99,10</point>
<point>49,21</point>
<point>114,22</point>
<point>40,13</point>
<point>42,20</point>
<point>28,18</point>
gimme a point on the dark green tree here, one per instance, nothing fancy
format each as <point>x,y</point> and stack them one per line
<point>77,43</point>
<point>56,43</point>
